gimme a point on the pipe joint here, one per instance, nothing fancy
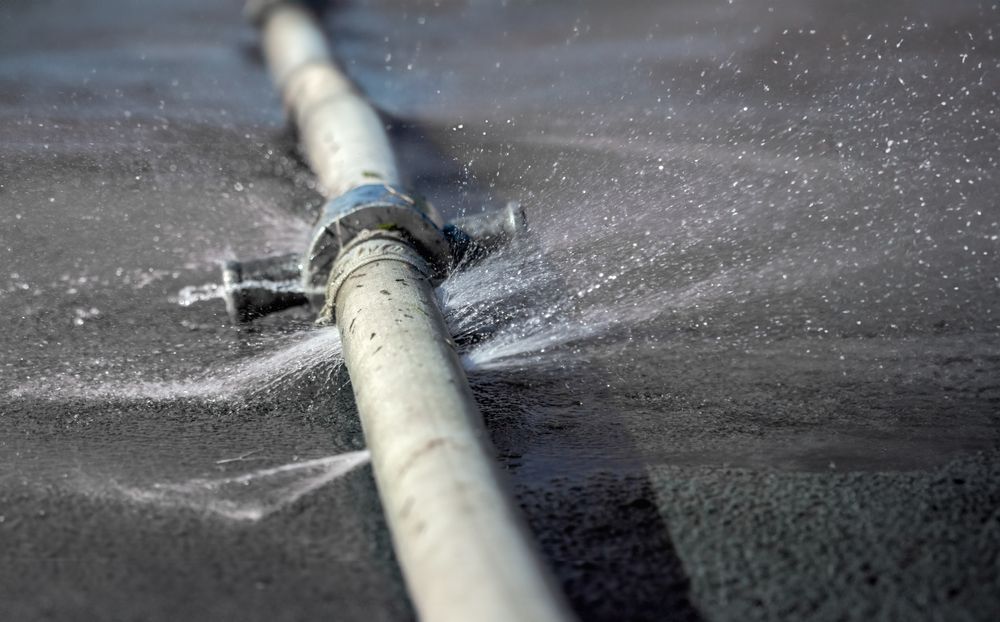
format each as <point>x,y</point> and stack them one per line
<point>374,208</point>
<point>257,287</point>
<point>367,248</point>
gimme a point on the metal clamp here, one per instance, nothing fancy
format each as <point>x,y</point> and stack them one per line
<point>366,248</point>
<point>375,207</point>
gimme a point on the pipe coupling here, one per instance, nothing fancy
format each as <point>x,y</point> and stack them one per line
<point>366,248</point>
<point>380,208</point>
<point>377,211</point>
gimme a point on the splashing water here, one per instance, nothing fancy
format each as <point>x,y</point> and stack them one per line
<point>527,306</point>
<point>500,322</point>
<point>315,354</point>
<point>192,294</point>
<point>246,497</point>
<point>533,319</point>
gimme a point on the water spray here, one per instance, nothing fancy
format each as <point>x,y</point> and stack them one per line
<point>375,255</point>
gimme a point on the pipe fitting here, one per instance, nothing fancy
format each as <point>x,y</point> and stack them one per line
<point>367,248</point>
<point>373,207</point>
<point>373,212</point>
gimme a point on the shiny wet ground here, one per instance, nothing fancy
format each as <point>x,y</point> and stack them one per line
<point>744,368</point>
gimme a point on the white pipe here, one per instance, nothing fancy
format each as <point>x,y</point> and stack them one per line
<point>342,137</point>
<point>464,551</point>
<point>461,543</point>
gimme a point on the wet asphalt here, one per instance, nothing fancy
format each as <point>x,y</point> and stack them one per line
<point>793,415</point>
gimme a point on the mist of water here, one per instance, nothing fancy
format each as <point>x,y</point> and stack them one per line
<point>248,496</point>
<point>316,354</point>
<point>192,294</point>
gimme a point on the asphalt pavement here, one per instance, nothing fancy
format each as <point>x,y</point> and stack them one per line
<point>745,366</point>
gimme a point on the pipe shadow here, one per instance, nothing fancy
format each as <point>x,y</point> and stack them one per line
<point>586,496</point>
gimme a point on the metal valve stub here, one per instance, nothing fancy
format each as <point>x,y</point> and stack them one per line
<point>475,236</point>
<point>257,287</point>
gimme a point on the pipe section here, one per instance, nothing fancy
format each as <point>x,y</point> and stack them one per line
<point>342,137</point>
<point>464,551</point>
<point>462,546</point>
